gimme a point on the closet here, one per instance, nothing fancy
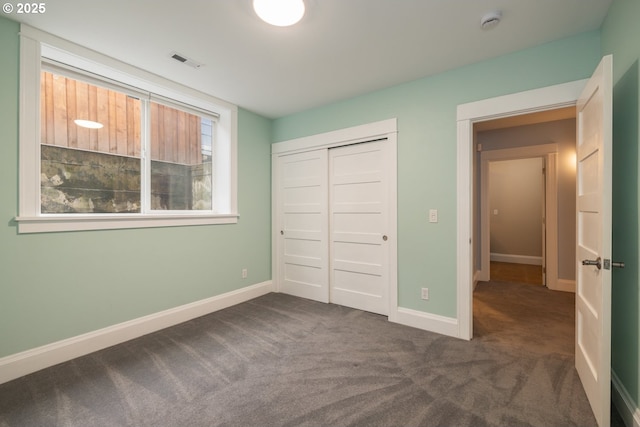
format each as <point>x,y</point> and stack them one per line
<point>334,217</point>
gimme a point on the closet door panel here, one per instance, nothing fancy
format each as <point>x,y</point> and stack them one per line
<point>303,223</point>
<point>358,212</point>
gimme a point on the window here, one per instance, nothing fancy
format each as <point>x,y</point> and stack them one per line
<point>92,153</point>
<point>90,148</point>
<point>181,159</point>
<point>116,147</point>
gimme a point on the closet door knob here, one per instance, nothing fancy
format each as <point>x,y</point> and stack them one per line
<point>384,237</point>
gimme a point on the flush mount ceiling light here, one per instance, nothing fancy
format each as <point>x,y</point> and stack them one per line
<point>281,13</point>
<point>490,20</point>
<point>88,124</point>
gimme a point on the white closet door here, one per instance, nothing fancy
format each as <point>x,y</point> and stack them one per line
<point>359,253</point>
<point>303,234</point>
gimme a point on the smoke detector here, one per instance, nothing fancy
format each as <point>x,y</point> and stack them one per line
<point>490,20</point>
<point>185,60</point>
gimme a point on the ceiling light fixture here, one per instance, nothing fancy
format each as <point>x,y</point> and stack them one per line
<point>88,124</point>
<point>281,13</point>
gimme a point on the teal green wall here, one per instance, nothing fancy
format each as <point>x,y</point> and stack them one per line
<point>55,286</point>
<point>426,112</point>
<point>621,37</point>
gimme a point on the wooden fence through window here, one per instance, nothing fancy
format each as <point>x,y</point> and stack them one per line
<point>176,136</point>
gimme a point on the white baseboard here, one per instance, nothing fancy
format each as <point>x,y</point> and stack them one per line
<point>628,410</point>
<point>26,362</point>
<point>426,321</point>
<point>516,259</point>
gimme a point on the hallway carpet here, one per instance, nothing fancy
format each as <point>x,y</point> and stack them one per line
<point>279,360</point>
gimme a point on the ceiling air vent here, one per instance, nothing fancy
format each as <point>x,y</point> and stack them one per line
<point>185,60</point>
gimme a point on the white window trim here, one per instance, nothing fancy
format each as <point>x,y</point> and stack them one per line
<point>34,44</point>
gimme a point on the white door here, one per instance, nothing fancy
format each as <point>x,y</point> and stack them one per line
<point>359,192</point>
<point>593,284</point>
<point>303,225</point>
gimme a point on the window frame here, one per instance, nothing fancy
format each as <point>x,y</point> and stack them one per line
<point>36,46</point>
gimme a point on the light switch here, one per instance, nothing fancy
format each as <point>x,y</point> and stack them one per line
<point>433,215</point>
<point>495,211</point>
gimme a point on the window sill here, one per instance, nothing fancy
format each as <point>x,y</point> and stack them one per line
<point>79,222</point>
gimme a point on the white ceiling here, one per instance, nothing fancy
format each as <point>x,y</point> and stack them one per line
<point>341,48</point>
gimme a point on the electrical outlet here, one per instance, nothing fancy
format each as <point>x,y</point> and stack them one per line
<point>425,293</point>
<point>244,273</point>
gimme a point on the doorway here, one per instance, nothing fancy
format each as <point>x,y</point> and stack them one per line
<point>593,101</point>
<point>549,203</point>
<point>517,218</point>
<point>526,189</point>
<point>507,108</point>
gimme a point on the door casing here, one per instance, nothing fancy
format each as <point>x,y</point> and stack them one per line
<point>544,99</point>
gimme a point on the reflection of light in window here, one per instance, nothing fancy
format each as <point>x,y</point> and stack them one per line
<point>89,124</point>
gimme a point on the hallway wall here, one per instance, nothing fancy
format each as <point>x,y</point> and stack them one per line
<point>516,195</point>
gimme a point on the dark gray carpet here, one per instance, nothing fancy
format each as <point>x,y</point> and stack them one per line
<point>285,361</point>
